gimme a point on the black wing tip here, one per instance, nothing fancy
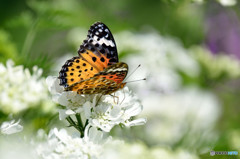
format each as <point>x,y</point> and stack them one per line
<point>98,22</point>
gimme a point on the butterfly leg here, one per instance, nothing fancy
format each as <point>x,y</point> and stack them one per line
<point>114,98</point>
<point>123,97</point>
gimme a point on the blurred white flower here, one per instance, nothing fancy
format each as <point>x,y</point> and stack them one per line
<point>228,2</point>
<point>19,90</point>
<point>217,67</point>
<point>159,152</point>
<point>103,112</point>
<point>11,127</point>
<point>190,114</point>
<point>161,59</point>
<point>120,150</point>
<point>61,145</point>
<point>198,1</point>
<point>16,147</point>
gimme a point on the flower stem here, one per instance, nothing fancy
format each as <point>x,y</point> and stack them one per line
<point>73,123</point>
<point>80,124</point>
<point>79,119</point>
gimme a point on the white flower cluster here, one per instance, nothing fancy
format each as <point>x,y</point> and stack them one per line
<point>190,108</point>
<point>171,107</point>
<point>61,145</point>
<point>19,90</point>
<point>103,112</point>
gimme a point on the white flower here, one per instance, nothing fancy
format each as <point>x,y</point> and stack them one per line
<point>20,90</point>
<point>110,112</point>
<point>103,112</point>
<point>61,145</point>
<point>228,2</point>
<point>11,127</point>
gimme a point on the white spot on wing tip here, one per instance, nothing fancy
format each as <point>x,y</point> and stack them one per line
<point>104,41</point>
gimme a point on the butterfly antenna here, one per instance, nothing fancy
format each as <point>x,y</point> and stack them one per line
<point>137,80</point>
<point>133,71</point>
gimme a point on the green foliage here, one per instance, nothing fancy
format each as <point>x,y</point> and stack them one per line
<point>36,29</point>
<point>7,48</point>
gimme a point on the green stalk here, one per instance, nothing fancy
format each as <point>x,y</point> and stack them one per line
<point>79,119</point>
<point>72,123</point>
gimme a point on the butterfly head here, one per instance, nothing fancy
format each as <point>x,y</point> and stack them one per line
<point>122,85</point>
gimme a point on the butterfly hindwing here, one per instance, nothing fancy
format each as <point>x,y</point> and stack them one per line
<point>106,81</point>
<point>116,72</point>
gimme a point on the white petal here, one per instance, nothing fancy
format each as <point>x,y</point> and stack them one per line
<point>136,122</point>
<point>134,110</point>
<point>70,112</point>
<point>104,126</point>
<point>87,109</point>
<point>115,112</point>
<point>11,127</point>
<point>62,114</point>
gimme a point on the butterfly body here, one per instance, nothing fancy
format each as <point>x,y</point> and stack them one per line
<point>96,69</point>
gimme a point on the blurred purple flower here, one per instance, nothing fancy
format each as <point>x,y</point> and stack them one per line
<point>223,31</point>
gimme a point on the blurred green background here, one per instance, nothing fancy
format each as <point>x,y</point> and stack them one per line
<point>41,32</point>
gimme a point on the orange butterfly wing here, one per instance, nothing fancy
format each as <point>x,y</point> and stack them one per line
<point>97,66</point>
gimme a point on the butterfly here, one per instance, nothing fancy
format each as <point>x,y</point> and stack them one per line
<point>96,69</point>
